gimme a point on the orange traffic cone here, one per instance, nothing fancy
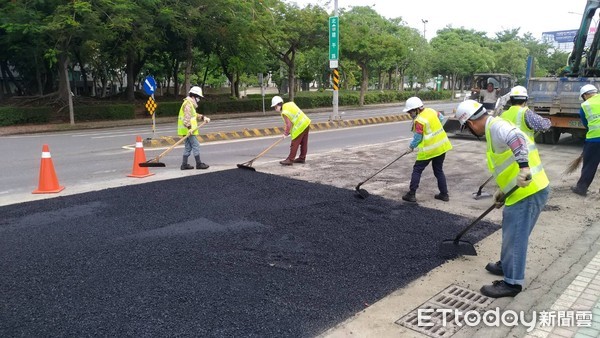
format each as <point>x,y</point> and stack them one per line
<point>48,180</point>
<point>139,157</point>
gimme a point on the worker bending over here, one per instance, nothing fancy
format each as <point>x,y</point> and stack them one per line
<point>514,161</point>
<point>297,124</point>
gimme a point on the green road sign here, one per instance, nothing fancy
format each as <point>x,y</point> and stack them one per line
<point>334,41</point>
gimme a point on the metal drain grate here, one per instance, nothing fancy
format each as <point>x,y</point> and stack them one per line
<point>455,298</point>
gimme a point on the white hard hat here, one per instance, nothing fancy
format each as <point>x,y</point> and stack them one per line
<point>196,91</point>
<point>519,92</point>
<point>276,100</point>
<point>588,88</point>
<point>412,103</point>
<point>469,109</point>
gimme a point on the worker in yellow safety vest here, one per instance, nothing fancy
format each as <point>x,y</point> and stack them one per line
<point>514,161</point>
<point>296,125</point>
<point>521,116</point>
<point>187,123</point>
<point>590,118</point>
<point>430,139</point>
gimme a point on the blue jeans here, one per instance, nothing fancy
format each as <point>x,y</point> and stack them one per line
<point>518,221</point>
<point>192,144</point>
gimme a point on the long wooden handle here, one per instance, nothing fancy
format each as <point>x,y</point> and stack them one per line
<point>180,141</point>
<point>266,150</point>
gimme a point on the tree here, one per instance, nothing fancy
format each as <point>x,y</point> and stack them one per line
<point>293,29</point>
<point>364,38</point>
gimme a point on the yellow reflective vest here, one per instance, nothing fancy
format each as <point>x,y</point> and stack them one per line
<point>435,141</point>
<point>516,115</point>
<point>591,108</point>
<point>299,120</point>
<point>181,128</point>
<point>505,169</point>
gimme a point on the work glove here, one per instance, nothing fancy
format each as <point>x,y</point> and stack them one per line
<point>206,119</point>
<point>524,177</point>
<point>286,135</point>
<point>409,150</point>
<point>498,199</point>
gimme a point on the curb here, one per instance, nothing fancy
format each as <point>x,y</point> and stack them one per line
<point>165,141</point>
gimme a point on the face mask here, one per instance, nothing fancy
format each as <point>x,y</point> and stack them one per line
<point>197,99</point>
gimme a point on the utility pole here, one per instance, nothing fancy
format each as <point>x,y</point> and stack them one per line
<point>334,51</point>
<point>425,21</point>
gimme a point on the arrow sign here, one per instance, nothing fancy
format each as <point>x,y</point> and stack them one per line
<point>149,85</point>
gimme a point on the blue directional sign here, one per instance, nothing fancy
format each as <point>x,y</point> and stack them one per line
<point>149,85</point>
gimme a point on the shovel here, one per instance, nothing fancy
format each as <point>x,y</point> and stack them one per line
<point>456,246</point>
<point>248,165</point>
<point>155,162</point>
<point>362,193</point>
<point>477,195</point>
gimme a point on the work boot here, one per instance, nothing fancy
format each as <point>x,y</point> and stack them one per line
<point>286,162</point>
<point>410,197</point>
<point>495,268</point>
<point>184,163</point>
<point>442,197</point>
<point>578,191</point>
<point>500,288</point>
<point>202,165</point>
<point>299,160</point>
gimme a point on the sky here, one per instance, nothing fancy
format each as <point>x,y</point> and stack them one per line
<point>534,16</point>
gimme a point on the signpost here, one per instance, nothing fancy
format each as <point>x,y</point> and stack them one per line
<point>262,89</point>
<point>334,51</point>
<point>150,88</point>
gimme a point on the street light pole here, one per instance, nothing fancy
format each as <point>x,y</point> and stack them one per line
<point>425,21</point>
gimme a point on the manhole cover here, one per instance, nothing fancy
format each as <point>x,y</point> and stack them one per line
<point>442,315</point>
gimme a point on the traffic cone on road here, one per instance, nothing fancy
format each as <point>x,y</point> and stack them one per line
<point>139,157</point>
<point>48,181</point>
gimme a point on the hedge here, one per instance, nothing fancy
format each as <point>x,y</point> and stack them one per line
<point>10,116</point>
<point>252,103</point>
<point>104,112</point>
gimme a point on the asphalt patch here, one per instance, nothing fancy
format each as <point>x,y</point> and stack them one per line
<point>230,253</point>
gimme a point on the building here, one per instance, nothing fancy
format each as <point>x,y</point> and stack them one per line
<point>564,40</point>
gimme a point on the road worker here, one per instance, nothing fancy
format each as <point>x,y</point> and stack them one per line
<point>296,124</point>
<point>430,139</point>
<point>188,124</point>
<point>590,118</point>
<point>514,161</point>
<point>521,116</point>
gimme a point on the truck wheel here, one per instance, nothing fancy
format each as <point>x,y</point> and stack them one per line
<point>552,136</point>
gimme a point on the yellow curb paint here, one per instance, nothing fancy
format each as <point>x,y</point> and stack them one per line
<point>168,141</point>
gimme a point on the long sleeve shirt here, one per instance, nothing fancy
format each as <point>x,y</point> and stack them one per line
<point>505,136</point>
<point>287,125</point>
<point>535,122</point>
<point>418,132</point>
<point>188,113</point>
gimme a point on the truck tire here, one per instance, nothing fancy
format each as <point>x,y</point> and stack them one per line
<point>552,136</point>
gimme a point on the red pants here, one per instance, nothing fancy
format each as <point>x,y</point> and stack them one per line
<point>302,142</point>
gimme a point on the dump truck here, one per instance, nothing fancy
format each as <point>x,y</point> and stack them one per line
<point>557,98</point>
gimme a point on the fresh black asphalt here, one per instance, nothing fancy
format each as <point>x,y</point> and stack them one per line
<point>228,254</point>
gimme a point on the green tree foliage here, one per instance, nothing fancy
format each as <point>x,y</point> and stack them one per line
<point>116,43</point>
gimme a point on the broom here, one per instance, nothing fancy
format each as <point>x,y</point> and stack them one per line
<point>573,165</point>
